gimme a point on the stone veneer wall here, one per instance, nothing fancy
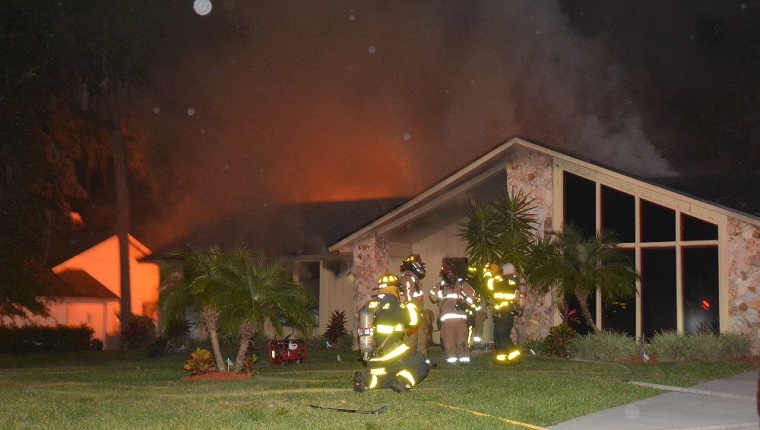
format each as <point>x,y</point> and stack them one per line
<point>744,280</point>
<point>531,173</point>
<point>370,263</point>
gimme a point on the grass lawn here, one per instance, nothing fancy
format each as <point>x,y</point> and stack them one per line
<point>107,390</point>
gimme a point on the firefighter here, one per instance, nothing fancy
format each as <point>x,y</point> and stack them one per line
<point>476,315</point>
<point>412,271</point>
<point>454,297</point>
<point>391,363</point>
<point>503,284</point>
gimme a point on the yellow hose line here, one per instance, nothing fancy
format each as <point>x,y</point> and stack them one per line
<point>481,414</point>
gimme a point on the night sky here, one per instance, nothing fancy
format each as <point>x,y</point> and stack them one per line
<point>331,101</point>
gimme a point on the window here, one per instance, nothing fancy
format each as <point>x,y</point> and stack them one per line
<point>580,204</point>
<point>700,290</point>
<point>678,259</point>
<point>658,223</point>
<point>696,229</point>
<point>658,291</point>
<point>619,315</point>
<point>619,214</point>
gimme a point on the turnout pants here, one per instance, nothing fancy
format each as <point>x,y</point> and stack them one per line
<point>454,334</point>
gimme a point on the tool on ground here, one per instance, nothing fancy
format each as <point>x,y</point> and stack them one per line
<point>353,411</point>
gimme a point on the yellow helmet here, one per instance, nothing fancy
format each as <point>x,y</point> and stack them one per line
<point>414,263</point>
<point>388,284</point>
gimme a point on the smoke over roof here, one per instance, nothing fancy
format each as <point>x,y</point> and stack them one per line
<point>336,101</point>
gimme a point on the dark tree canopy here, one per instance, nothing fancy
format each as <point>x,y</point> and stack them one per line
<point>65,65</point>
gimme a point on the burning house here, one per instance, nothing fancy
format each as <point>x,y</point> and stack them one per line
<point>698,259</point>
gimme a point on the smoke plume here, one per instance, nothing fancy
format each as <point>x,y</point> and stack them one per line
<point>337,100</point>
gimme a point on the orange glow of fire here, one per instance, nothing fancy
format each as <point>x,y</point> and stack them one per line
<point>76,220</point>
<point>372,170</point>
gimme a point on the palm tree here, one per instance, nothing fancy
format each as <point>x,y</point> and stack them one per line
<point>500,231</point>
<point>235,293</point>
<point>257,291</point>
<point>580,267</point>
<point>189,283</point>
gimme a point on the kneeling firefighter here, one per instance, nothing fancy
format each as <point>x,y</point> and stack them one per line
<point>508,296</point>
<point>383,323</point>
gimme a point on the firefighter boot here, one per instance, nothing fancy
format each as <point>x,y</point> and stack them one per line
<point>360,382</point>
<point>511,358</point>
<point>400,385</point>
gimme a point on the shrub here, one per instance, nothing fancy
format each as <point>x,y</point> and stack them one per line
<point>248,363</point>
<point>177,333</point>
<point>200,362</point>
<point>735,345</point>
<point>557,343</point>
<point>35,338</point>
<point>347,342</point>
<point>604,346</point>
<point>534,347</point>
<point>670,346</point>
<point>336,327</point>
<point>139,333</point>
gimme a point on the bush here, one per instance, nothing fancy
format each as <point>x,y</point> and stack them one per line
<point>139,333</point>
<point>557,343</point>
<point>200,362</point>
<point>604,346</point>
<point>336,328</point>
<point>670,346</point>
<point>248,363</point>
<point>534,347</point>
<point>177,333</point>
<point>735,345</point>
<point>35,338</point>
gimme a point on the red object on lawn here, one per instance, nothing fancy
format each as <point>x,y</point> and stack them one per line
<point>285,351</point>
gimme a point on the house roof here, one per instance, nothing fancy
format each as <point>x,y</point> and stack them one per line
<point>297,231</point>
<point>447,201</point>
<point>441,204</point>
<point>95,241</point>
<point>736,192</point>
<point>77,283</point>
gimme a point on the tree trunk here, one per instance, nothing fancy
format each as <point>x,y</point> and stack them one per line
<point>521,323</point>
<point>583,302</point>
<point>247,330</point>
<point>122,221</point>
<point>111,107</point>
<point>211,319</point>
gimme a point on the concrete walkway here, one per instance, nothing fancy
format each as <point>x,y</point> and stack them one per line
<point>722,404</point>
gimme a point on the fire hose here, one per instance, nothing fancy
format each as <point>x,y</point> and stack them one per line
<point>483,414</point>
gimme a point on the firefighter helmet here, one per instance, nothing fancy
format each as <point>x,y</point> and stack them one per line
<point>449,271</point>
<point>508,269</point>
<point>388,284</point>
<point>414,263</point>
